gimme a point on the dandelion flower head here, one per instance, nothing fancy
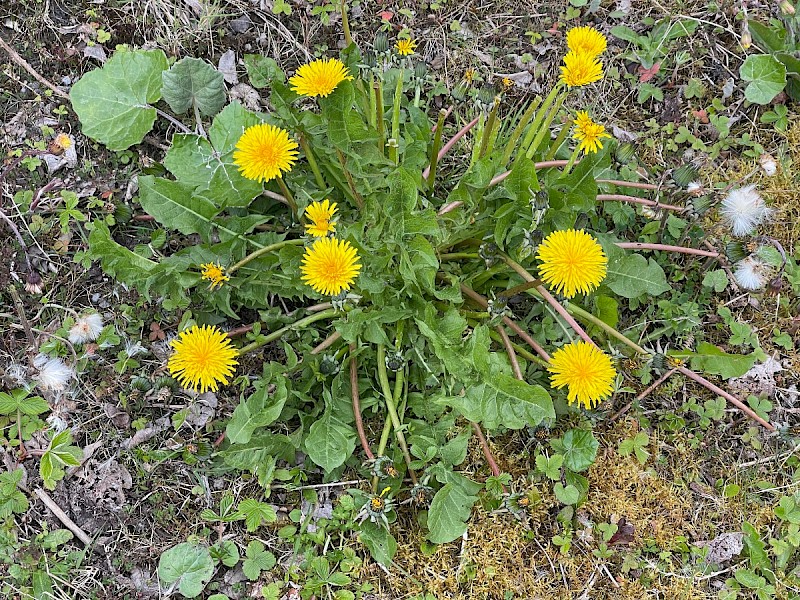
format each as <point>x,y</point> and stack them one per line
<point>87,328</point>
<point>321,216</point>
<point>586,40</point>
<point>589,133</point>
<point>264,152</point>
<point>751,274</point>
<point>214,273</point>
<point>203,358</point>
<point>63,141</point>
<point>571,262</point>
<point>580,69</point>
<point>586,370</point>
<point>319,77</point>
<point>405,47</point>
<point>53,373</point>
<point>744,209</point>
<point>330,266</point>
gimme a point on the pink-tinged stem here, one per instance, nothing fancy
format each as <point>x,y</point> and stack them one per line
<point>452,142</point>
<point>547,164</point>
<point>520,270</point>
<point>635,200</point>
<point>446,114</point>
<point>487,453</point>
<point>666,248</point>
<point>449,207</point>
<point>362,436</point>
<point>730,398</point>
<point>483,303</point>
<point>512,356</point>
<point>630,184</point>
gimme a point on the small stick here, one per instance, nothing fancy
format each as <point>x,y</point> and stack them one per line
<point>729,397</point>
<point>24,64</point>
<point>637,200</point>
<point>327,343</point>
<point>512,356</point>
<point>643,395</point>
<point>62,516</point>
<point>666,248</point>
<point>487,453</point>
<point>362,436</point>
<point>630,184</point>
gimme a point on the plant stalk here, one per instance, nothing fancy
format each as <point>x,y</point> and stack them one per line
<point>312,162</point>
<point>452,142</point>
<point>545,126</point>
<point>487,130</point>
<point>262,251</point>
<point>562,135</point>
<point>437,143</point>
<point>299,324</point>
<point>518,130</point>
<point>348,39</point>
<point>378,87</point>
<point>362,436</point>
<point>289,198</point>
<point>392,408</point>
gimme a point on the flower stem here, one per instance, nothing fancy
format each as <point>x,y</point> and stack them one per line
<point>548,297</point>
<point>261,251</point>
<point>562,135</point>
<point>512,357</point>
<point>392,408</point>
<point>327,314</point>
<point>487,130</point>
<point>523,122</point>
<point>457,255</point>
<point>452,142</point>
<point>350,183</point>
<point>312,162</point>
<point>289,198</point>
<point>487,453</point>
<point>537,121</point>
<point>545,127</point>
<point>637,200</point>
<point>348,39</point>
<point>666,248</point>
<point>575,153</point>
<point>398,98</point>
<point>357,403</point>
<point>378,87</point>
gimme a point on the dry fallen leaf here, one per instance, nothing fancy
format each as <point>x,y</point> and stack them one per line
<point>646,75</point>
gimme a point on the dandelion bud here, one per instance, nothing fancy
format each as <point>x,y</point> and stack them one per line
<point>768,163</point>
<point>381,43</point>
<point>746,40</point>
<point>786,7</point>
<point>33,283</point>
<point>420,70</point>
<point>459,93</point>
<point>329,365</point>
<point>684,175</point>
<point>625,153</point>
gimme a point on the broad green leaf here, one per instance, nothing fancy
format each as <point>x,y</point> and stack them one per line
<point>345,126</point>
<point>256,513</point>
<point>576,191</point>
<point>262,70</point>
<point>259,410</point>
<point>192,82</point>
<point>500,400</point>
<point>522,182</point>
<point>18,400</point>
<point>579,447</point>
<point>631,276</point>
<point>711,359</point>
<point>188,564</point>
<point>766,76</point>
<point>330,441</point>
<point>769,39</point>
<point>551,466</point>
<point>229,125</point>
<point>117,260</point>
<point>379,541</point>
<point>566,495</point>
<point>607,309</point>
<point>175,205</point>
<point>114,102</point>
<point>448,514</point>
<point>716,279</point>
<point>258,560</point>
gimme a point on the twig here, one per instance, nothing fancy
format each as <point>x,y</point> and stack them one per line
<point>357,404</point>
<point>24,64</point>
<point>643,395</point>
<point>62,516</point>
<point>666,248</point>
<point>729,397</point>
<point>327,343</point>
<point>487,453</point>
<point>23,319</point>
<point>512,356</point>
<point>767,459</point>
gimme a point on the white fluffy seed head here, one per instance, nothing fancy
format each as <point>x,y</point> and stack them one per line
<point>751,274</point>
<point>768,164</point>
<point>86,329</point>
<point>744,210</point>
<point>695,188</point>
<point>53,373</point>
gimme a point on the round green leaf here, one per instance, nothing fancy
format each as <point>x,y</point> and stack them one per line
<point>193,82</point>
<point>188,564</point>
<point>767,77</point>
<point>113,103</point>
<point>580,449</point>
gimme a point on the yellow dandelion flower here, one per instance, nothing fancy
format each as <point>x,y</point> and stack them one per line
<point>508,83</point>
<point>264,152</point>
<point>586,40</point>
<point>405,47</point>
<point>469,75</point>
<point>572,262</point>
<point>581,68</point>
<point>63,141</point>
<point>330,266</point>
<point>321,216</point>
<point>319,77</point>
<point>204,357</point>
<point>588,132</point>
<point>585,370</point>
<point>214,273</point>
